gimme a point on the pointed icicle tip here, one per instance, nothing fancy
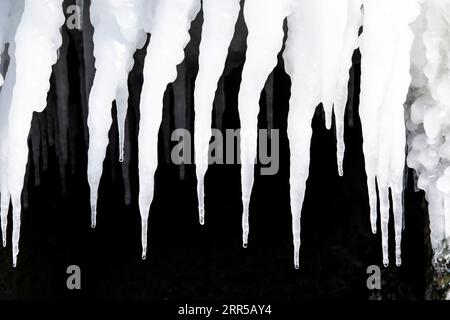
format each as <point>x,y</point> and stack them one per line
<point>93,216</point>
<point>374,228</point>
<point>202,216</point>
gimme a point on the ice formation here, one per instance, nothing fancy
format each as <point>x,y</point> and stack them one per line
<point>385,80</point>
<point>169,30</point>
<point>428,115</point>
<point>218,29</point>
<point>321,38</point>
<point>118,33</point>
<point>33,52</point>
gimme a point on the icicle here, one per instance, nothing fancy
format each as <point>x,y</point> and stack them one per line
<point>385,79</point>
<point>349,45</point>
<point>5,104</point>
<point>30,90</point>
<point>218,28</point>
<point>265,39</point>
<point>117,35</point>
<point>172,19</point>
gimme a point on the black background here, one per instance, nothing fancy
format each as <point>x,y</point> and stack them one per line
<point>187,261</point>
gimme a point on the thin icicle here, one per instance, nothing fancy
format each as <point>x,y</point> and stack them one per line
<point>37,42</point>
<point>117,35</point>
<point>264,19</point>
<point>349,45</point>
<point>220,19</point>
<point>170,35</point>
<point>385,80</point>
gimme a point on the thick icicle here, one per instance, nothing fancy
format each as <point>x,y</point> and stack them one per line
<point>264,21</point>
<point>118,32</point>
<point>317,31</point>
<point>9,28</point>
<point>37,42</point>
<point>385,80</point>
<point>170,35</point>
<point>218,28</point>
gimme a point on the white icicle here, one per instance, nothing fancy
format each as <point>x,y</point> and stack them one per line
<point>385,80</point>
<point>220,18</point>
<point>118,32</point>
<point>37,42</point>
<point>264,19</point>
<point>349,43</point>
<point>429,116</point>
<point>170,35</point>
<point>5,103</point>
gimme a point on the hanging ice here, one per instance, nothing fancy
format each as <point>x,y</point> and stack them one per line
<point>10,27</point>
<point>220,18</point>
<point>169,36</point>
<point>322,37</point>
<point>37,41</point>
<point>385,80</point>
<point>118,32</point>
<point>264,19</point>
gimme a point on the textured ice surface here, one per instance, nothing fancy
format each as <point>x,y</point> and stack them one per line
<point>428,116</point>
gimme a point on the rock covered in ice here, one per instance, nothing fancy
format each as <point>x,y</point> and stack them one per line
<point>428,118</point>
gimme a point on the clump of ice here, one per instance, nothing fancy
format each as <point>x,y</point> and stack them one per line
<point>428,116</point>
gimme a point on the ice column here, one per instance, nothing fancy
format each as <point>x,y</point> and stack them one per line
<point>220,18</point>
<point>169,36</point>
<point>118,32</point>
